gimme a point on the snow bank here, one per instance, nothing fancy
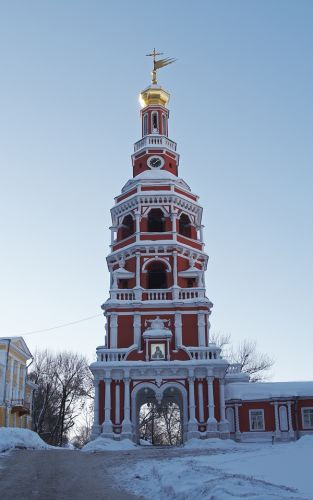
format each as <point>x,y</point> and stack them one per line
<point>105,444</point>
<point>11,437</point>
<point>143,442</point>
<point>263,472</point>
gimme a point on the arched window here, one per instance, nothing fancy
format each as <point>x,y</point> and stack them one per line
<point>164,131</point>
<point>184,226</point>
<point>156,221</point>
<point>145,124</point>
<point>127,226</point>
<point>157,275</point>
<point>154,120</point>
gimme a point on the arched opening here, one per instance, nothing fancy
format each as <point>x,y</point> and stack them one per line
<point>160,421</point>
<point>157,275</point>
<point>185,226</point>
<point>156,221</point>
<point>154,120</point>
<point>128,226</point>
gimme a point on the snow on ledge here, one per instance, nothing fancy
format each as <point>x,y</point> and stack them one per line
<point>247,391</point>
<point>12,437</point>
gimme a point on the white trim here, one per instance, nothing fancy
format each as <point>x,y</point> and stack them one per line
<point>250,426</point>
<point>158,259</point>
<point>304,426</point>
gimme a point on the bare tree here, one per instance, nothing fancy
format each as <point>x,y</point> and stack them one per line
<point>161,424</point>
<point>64,387</point>
<point>84,427</point>
<point>255,363</point>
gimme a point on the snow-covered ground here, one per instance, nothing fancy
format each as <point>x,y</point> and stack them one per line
<point>245,470</point>
<point>105,444</point>
<point>12,437</point>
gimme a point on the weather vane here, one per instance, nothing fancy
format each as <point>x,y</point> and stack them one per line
<point>158,64</point>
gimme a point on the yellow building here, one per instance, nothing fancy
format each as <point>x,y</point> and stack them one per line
<point>16,391</point>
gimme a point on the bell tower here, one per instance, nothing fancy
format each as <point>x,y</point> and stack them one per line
<point>158,330</point>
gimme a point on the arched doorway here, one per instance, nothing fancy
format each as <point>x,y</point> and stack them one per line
<point>160,415</point>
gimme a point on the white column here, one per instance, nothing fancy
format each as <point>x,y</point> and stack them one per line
<point>174,230</point>
<point>112,234</point>
<point>113,331</point>
<point>223,424</point>
<point>175,267</point>
<point>107,424</point>
<point>117,404</point>
<point>18,392</point>
<point>277,429</point>
<point>200,398</point>
<point>201,329</point>
<point>178,330</point>
<point>211,422</point>
<point>96,428</point>
<point>138,297</point>
<point>137,216</point>
<point>201,233</point>
<point>291,431</point>
<point>9,395</point>
<point>192,423</point>
<point>126,426</point>
<point>137,330</point>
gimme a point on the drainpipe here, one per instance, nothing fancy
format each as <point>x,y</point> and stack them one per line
<point>5,385</point>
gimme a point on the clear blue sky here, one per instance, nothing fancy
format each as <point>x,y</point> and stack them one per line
<point>241,112</point>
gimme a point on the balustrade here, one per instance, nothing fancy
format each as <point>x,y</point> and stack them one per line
<point>108,355</point>
<point>204,353</point>
<point>160,294</point>
<point>155,141</point>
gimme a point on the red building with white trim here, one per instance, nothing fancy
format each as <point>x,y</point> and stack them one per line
<point>157,341</point>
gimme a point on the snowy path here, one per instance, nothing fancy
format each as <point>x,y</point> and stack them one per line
<point>253,472</point>
<point>59,475</point>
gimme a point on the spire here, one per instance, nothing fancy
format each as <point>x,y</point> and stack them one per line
<point>155,94</point>
<point>158,64</point>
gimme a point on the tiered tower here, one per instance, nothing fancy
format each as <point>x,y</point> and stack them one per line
<point>157,332</point>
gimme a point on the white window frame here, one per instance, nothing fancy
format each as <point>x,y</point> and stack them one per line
<point>250,419</point>
<point>145,124</point>
<point>306,426</point>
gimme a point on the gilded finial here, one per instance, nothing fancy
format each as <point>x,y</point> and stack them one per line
<point>157,64</point>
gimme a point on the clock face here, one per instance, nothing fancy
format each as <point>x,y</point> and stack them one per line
<point>155,162</point>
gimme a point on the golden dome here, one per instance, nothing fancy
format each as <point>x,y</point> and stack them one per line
<point>154,95</point>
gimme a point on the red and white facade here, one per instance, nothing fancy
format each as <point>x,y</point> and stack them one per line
<point>157,341</point>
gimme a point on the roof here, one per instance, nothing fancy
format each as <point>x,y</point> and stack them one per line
<point>248,391</point>
<point>19,344</point>
<point>155,175</point>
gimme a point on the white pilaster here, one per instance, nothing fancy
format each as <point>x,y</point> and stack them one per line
<point>117,404</point>
<point>291,431</point>
<point>223,424</point>
<point>137,330</point>
<point>113,331</point>
<point>126,426</point>
<point>200,398</point>
<point>237,423</point>
<point>201,329</point>
<point>211,422</point>
<point>178,330</point>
